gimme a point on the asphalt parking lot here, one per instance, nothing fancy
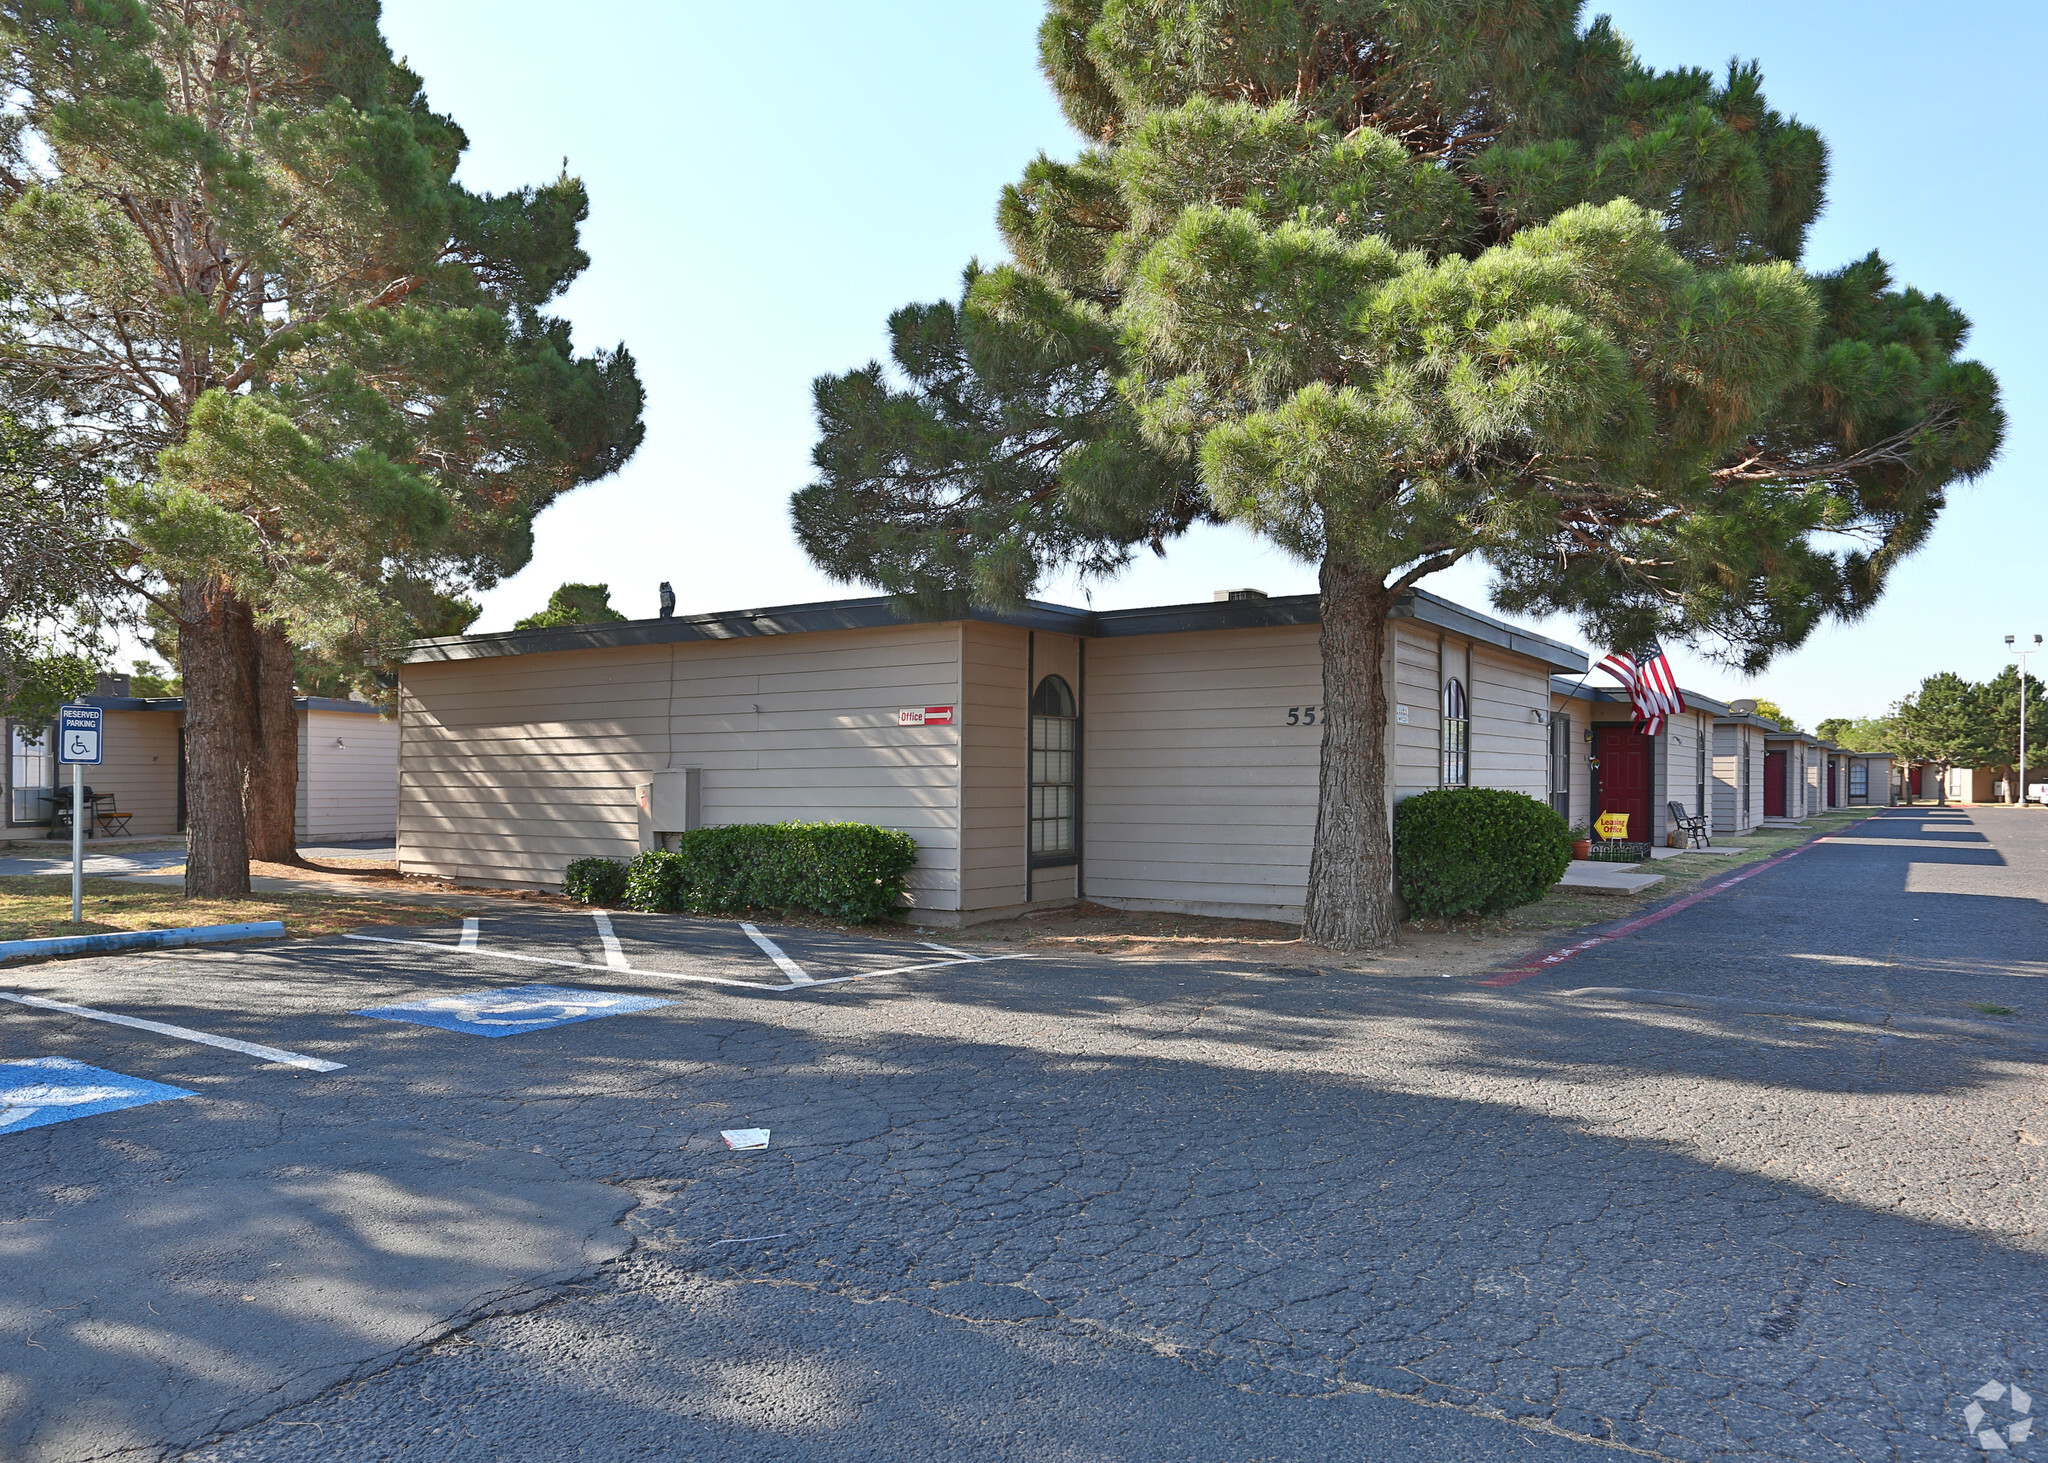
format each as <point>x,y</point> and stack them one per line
<point>460,1192</point>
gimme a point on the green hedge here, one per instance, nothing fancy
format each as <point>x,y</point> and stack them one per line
<point>595,881</point>
<point>1477,850</point>
<point>847,871</point>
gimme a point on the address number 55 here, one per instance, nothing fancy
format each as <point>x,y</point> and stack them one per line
<point>1301,716</point>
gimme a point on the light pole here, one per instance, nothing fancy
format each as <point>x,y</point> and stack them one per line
<point>2024,652</point>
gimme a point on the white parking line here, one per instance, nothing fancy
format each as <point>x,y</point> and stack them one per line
<point>614,955</point>
<point>945,949</point>
<point>752,985</point>
<point>468,935</point>
<point>807,983</point>
<point>182,1033</point>
<point>796,973</point>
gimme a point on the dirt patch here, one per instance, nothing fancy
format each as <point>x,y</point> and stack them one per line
<point>1421,950</point>
<point>38,906</point>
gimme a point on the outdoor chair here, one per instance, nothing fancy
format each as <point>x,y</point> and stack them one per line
<point>108,815</point>
<point>1694,828</point>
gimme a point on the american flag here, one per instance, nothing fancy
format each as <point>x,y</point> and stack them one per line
<point>1651,686</point>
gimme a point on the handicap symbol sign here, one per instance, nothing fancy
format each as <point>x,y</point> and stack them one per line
<point>41,1090</point>
<point>78,734</point>
<point>513,1010</point>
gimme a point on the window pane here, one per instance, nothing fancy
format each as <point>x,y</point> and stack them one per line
<point>30,770</point>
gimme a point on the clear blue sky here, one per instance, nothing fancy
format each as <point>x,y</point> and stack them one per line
<point>768,183</point>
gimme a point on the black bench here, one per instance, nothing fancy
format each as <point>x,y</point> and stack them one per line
<point>1694,828</point>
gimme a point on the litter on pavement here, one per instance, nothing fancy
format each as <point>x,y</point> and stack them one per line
<point>744,1138</point>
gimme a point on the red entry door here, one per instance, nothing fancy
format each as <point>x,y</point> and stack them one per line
<point>1831,784</point>
<point>1774,784</point>
<point>1625,778</point>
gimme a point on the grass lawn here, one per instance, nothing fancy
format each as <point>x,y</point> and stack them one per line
<point>37,906</point>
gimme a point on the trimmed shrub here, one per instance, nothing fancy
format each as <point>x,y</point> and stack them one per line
<point>595,880</point>
<point>847,871</point>
<point>1477,850</point>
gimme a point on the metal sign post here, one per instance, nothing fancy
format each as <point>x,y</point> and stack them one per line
<point>78,743</point>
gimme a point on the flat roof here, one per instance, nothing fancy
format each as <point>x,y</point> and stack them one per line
<point>880,610</point>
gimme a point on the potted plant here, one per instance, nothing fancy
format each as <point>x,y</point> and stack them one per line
<point>1582,841</point>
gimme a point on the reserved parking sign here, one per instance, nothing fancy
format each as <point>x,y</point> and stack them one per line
<point>78,734</point>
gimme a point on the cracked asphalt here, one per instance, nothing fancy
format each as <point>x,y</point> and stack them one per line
<point>1059,1208</point>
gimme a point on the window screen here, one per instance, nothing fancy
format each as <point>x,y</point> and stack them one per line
<point>1457,735</point>
<point>1053,767</point>
<point>1859,781</point>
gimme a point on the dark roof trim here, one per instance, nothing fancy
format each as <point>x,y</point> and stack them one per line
<point>808,619</point>
<point>1747,718</point>
<point>1570,686</point>
<point>880,611</point>
<point>1434,609</point>
<point>177,703</point>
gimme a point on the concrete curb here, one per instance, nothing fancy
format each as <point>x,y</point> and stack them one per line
<point>2032,1037</point>
<point>268,929</point>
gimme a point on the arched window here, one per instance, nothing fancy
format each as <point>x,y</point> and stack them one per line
<point>1054,720</point>
<point>1457,735</point>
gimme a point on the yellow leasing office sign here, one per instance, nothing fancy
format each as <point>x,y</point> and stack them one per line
<point>1612,825</point>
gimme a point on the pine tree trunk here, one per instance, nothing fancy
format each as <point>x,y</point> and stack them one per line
<point>271,803</point>
<point>214,651</point>
<point>1351,872</point>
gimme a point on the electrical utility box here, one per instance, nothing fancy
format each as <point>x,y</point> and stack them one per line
<point>672,803</point>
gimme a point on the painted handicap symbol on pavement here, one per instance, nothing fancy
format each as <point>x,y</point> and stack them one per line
<point>40,1090</point>
<point>513,1010</point>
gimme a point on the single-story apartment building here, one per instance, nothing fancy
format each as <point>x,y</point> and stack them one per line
<point>1740,766</point>
<point>1792,775</point>
<point>1992,784</point>
<point>1163,758</point>
<point>348,769</point>
<point>1603,763</point>
<point>1860,779</point>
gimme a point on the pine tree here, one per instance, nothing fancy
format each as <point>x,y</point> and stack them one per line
<point>1946,723</point>
<point>2001,702</point>
<point>574,604</point>
<point>59,577</point>
<point>1396,283</point>
<point>241,279</point>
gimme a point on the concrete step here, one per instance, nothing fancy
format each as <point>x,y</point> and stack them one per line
<point>1613,878</point>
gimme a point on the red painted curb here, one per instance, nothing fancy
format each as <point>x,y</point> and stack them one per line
<point>1516,973</point>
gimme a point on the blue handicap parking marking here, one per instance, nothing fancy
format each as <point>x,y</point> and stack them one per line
<point>513,1010</point>
<point>40,1090</point>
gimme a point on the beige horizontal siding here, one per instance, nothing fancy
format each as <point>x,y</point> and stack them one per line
<point>994,832</point>
<point>140,769</point>
<point>1197,794</point>
<point>509,768</point>
<point>348,776</point>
